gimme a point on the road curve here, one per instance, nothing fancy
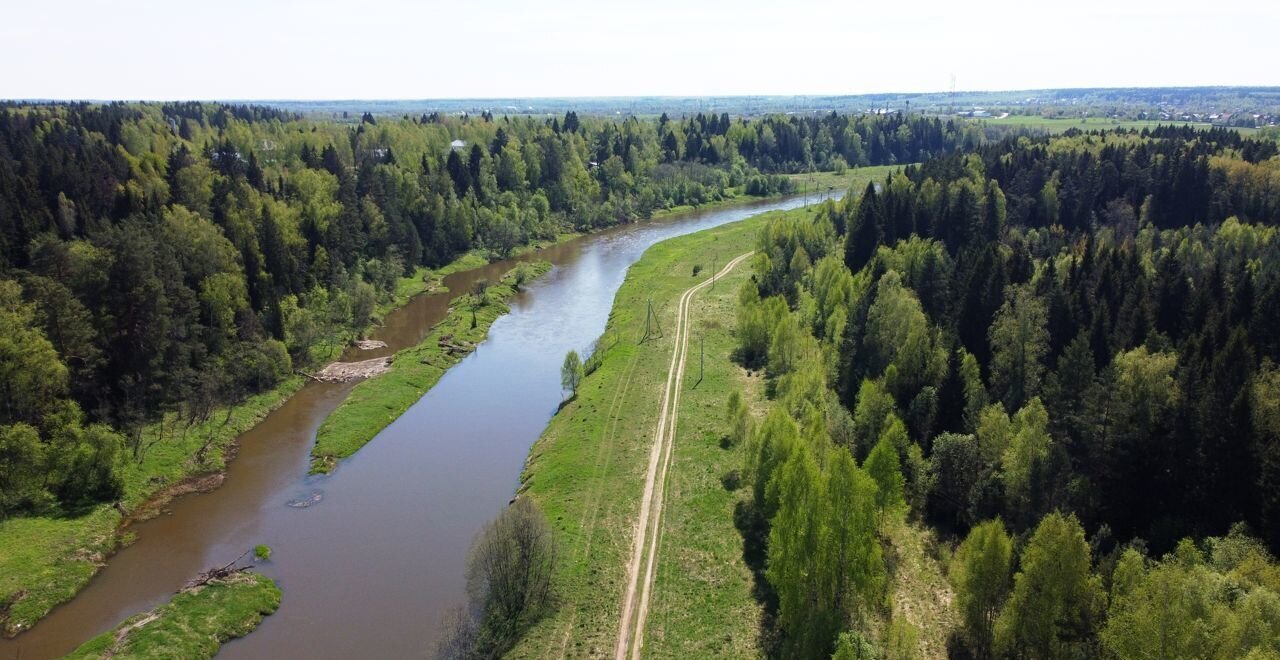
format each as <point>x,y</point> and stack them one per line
<point>648,522</point>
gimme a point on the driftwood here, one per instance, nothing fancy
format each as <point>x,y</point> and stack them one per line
<point>217,573</point>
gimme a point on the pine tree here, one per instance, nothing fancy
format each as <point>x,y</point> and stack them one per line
<point>866,231</point>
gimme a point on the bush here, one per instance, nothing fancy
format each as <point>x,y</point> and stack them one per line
<point>508,584</point>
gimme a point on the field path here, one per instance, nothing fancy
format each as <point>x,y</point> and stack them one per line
<point>648,523</point>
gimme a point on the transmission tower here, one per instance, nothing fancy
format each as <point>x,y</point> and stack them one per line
<point>650,323</point>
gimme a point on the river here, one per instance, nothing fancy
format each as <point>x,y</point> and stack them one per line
<point>368,570</point>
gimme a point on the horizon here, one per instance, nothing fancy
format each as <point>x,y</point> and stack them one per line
<point>611,97</point>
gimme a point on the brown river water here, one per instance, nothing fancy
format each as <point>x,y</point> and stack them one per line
<point>369,568</point>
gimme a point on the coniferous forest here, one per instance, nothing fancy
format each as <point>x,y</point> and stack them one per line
<point>1059,352</point>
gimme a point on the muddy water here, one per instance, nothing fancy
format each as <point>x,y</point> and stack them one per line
<point>370,565</point>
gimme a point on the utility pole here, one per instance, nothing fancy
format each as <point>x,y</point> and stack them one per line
<point>648,316</point>
<point>702,360</point>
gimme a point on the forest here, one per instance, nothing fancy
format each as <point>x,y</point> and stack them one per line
<point>1057,353</point>
<point>179,257</point>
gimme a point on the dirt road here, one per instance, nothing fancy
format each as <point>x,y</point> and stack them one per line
<point>635,606</point>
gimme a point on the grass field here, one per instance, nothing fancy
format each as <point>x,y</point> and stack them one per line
<point>194,624</point>
<point>588,468</point>
<point>375,403</point>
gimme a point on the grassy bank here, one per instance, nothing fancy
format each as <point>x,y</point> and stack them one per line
<point>588,468</point>
<point>375,403</point>
<point>194,624</point>
<point>46,560</point>
<point>431,280</point>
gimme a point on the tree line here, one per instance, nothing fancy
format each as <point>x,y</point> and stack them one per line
<point>1060,352</point>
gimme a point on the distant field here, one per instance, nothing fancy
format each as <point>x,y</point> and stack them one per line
<point>1054,125</point>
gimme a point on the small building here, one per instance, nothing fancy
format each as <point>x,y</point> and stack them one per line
<point>457,144</point>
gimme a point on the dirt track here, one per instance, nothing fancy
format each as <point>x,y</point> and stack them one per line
<point>648,522</point>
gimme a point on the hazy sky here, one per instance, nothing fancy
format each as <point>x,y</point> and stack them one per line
<point>326,49</point>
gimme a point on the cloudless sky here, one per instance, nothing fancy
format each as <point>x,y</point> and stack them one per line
<point>404,49</point>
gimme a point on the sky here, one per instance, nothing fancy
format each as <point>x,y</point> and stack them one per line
<point>400,49</point>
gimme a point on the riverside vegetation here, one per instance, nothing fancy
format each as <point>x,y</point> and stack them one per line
<point>166,268</point>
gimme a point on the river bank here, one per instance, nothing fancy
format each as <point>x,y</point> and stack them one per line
<point>587,470</point>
